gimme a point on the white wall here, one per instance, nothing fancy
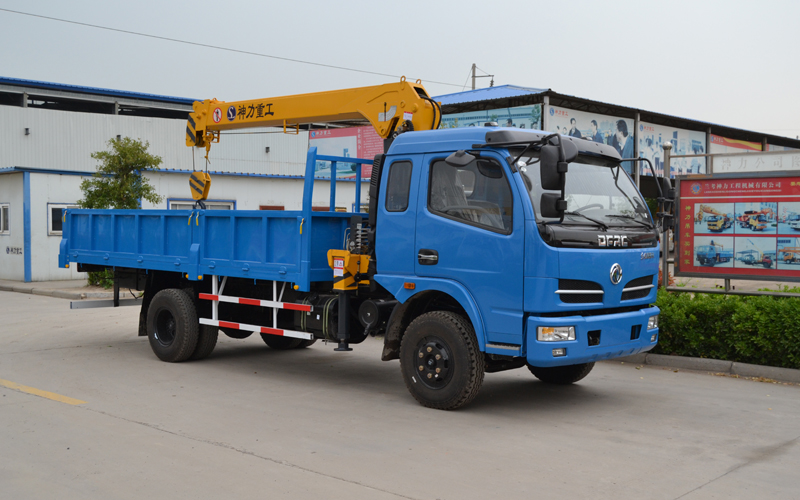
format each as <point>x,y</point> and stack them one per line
<point>50,188</point>
<point>250,192</point>
<point>12,266</point>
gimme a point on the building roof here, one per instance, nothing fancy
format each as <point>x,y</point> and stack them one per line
<point>18,82</point>
<point>491,93</point>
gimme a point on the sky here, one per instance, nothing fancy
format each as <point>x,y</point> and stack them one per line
<point>732,63</point>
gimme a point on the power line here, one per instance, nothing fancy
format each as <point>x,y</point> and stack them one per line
<point>197,44</point>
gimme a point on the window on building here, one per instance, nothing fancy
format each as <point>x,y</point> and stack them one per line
<point>3,218</point>
<point>55,218</point>
<point>210,205</point>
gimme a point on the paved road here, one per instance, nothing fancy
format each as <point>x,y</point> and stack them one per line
<point>250,422</point>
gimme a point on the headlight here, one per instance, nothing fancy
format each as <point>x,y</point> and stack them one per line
<point>652,322</point>
<point>555,333</point>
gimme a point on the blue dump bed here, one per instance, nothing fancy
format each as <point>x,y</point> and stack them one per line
<point>289,246</point>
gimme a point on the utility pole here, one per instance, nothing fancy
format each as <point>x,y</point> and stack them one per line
<point>473,76</point>
<point>474,67</point>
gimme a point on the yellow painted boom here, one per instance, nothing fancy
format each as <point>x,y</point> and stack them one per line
<point>387,107</point>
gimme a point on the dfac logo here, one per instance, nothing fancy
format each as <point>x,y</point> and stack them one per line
<point>696,188</point>
<point>552,111</point>
<point>616,274</point>
<point>231,113</point>
<point>612,240</point>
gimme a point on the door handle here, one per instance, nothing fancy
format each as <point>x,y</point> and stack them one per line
<point>427,257</point>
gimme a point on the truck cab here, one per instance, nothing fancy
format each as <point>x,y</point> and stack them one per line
<point>550,291</point>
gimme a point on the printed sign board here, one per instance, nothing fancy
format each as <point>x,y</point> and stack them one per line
<point>611,130</point>
<point>739,226</point>
<point>351,142</point>
<point>529,117</point>
<point>684,142</point>
<point>756,162</point>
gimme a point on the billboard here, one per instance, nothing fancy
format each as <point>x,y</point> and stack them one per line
<point>611,130</point>
<point>351,142</point>
<point>756,162</point>
<point>739,226</point>
<point>529,117</point>
<point>721,144</point>
<point>684,142</point>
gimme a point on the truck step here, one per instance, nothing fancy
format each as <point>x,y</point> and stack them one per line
<point>257,302</point>
<point>257,329</point>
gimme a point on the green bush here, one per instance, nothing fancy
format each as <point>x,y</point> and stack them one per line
<point>104,278</point>
<point>760,330</point>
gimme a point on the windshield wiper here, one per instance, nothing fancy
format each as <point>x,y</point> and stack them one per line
<point>628,217</point>
<point>599,223</point>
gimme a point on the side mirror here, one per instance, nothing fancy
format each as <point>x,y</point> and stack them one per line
<point>550,168</point>
<point>552,206</point>
<point>459,159</point>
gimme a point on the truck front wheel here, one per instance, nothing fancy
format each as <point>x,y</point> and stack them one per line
<point>563,375</point>
<point>172,325</point>
<point>440,361</point>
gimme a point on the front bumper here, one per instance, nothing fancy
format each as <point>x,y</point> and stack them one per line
<point>621,334</point>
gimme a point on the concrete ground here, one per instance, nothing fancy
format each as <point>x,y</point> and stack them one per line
<point>251,422</point>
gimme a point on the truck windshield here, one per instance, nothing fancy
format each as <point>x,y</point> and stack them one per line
<point>595,188</point>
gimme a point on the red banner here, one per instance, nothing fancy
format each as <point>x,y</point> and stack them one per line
<point>739,226</point>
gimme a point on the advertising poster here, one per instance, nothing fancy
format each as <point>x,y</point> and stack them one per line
<point>610,130</point>
<point>529,117</point>
<point>721,144</point>
<point>735,226</point>
<point>772,147</point>
<point>351,142</point>
<point>684,142</point>
<point>756,162</point>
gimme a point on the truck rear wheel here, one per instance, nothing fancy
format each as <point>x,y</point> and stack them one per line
<point>172,325</point>
<point>280,343</point>
<point>563,375</point>
<point>206,341</point>
<point>236,333</point>
<point>440,361</point>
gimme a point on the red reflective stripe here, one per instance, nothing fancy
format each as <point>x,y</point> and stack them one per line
<point>271,331</point>
<point>297,307</point>
<point>225,324</point>
<point>207,296</point>
<point>252,302</point>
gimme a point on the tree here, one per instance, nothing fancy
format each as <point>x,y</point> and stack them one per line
<point>118,182</point>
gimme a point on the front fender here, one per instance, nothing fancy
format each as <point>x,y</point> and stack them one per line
<point>396,286</point>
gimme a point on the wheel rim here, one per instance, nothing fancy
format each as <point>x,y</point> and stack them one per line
<point>433,363</point>
<point>165,328</point>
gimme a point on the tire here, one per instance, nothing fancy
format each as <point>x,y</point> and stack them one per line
<point>443,341</point>
<point>206,341</point>
<point>280,343</point>
<point>236,334</point>
<point>562,375</point>
<point>172,326</point>
<point>305,343</point>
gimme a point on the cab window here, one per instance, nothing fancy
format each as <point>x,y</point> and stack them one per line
<point>478,194</point>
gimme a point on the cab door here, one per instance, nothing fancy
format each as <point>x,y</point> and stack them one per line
<point>470,230</point>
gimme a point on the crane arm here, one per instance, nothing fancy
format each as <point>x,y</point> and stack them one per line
<point>389,108</point>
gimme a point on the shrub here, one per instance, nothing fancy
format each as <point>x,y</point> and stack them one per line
<point>760,330</point>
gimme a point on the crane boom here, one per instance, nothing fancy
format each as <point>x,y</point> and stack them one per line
<point>390,108</point>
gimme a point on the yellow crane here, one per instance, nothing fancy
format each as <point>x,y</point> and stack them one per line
<point>391,109</point>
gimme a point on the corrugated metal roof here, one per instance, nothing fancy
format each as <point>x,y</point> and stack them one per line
<point>487,94</point>
<point>95,90</point>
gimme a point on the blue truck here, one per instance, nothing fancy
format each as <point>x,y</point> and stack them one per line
<point>484,249</point>
<point>710,255</point>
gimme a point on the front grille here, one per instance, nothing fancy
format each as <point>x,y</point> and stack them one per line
<point>638,282</point>
<point>569,292</point>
